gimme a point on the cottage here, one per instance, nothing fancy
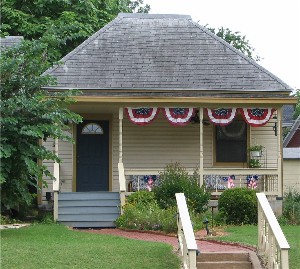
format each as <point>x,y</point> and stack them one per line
<point>158,89</point>
<point>291,158</point>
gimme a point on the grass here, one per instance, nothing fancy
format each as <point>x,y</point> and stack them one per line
<point>248,235</point>
<point>55,246</point>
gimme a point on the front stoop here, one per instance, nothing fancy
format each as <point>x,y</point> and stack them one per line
<point>227,260</point>
<point>89,209</point>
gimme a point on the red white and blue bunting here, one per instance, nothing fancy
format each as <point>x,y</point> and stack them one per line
<point>178,115</point>
<point>182,116</point>
<point>142,115</point>
<point>257,116</point>
<point>221,116</point>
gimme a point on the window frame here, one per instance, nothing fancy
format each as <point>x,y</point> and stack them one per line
<point>230,164</point>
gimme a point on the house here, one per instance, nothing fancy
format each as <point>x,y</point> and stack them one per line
<point>158,89</point>
<point>10,41</point>
<point>291,158</point>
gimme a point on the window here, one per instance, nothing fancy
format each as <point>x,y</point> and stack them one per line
<point>92,128</point>
<point>231,142</point>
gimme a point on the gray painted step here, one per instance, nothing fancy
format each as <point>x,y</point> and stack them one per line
<point>88,209</point>
<point>89,195</point>
<point>88,217</point>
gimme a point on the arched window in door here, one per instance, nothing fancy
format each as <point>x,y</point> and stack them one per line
<point>92,128</point>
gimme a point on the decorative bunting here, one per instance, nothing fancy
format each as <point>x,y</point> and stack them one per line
<point>221,116</point>
<point>257,116</point>
<point>179,116</point>
<point>142,115</point>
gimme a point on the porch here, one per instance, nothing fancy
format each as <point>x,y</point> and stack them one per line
<point>136,151</point>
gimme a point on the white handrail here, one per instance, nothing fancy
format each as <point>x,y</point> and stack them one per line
<point>186,238</point>
<point>272,243</point>
<point>56,182</point>
<point>122,184</point>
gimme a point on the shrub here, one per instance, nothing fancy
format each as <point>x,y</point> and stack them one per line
<point>175,179</point>
<point>238,206</point>
<point>142,215</point>
<point>142,212</point>
<point>141,197</point>
<point>291,207</point>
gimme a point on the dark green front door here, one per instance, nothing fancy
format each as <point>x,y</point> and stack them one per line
<point>92,170</point>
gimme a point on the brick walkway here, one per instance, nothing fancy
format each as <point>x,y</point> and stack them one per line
<point>203,245</point>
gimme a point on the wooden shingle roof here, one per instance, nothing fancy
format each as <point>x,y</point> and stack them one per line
<point>164,53</point>
<point>10,41</point>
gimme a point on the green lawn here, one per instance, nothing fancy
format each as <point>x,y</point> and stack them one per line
<point>55,246</point>
<point>248,235</point>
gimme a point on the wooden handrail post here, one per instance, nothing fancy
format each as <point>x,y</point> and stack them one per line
<point>56,182</point>
<point>186,238</point>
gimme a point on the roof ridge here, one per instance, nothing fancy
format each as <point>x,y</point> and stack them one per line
<point>82,45</point>
<point>153,16</point>
<point>252,62</point>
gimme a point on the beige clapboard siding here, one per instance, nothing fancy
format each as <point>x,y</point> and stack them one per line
<point>208,146</point>
<point>291,174</point>
<point>65,150</point>
<point>115,151</point>
<point>157,144</point>
<point>265,136</point>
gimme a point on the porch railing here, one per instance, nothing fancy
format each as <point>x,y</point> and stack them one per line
<point>272,243</point>
<point>186,238</point>
<point>215,179</point>
<point>266,180</point>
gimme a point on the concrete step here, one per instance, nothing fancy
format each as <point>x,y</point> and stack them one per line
<point>224,265</point>
<point>224,260</point>
<point>223,256</point>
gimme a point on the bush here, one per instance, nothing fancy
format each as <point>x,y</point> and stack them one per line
<point>238,206</point>
<point>141,212</point>
<point>141,197</point>
<point>291,207</point>
<point>175,179</point>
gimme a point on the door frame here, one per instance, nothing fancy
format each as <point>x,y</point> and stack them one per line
<point>92,116</point>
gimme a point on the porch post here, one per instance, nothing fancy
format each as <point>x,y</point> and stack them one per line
<point>120,134</point>
<point>122,181</point>
<point>201,145</point>
<point>56,182</point>
<point>279,146</point>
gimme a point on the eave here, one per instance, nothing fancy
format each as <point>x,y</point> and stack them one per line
<point>186,100</point>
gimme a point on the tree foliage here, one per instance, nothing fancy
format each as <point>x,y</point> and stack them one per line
<point>297,107</point>
<point>237,40</point>
<point>61,24</point>
<point>29,114</point>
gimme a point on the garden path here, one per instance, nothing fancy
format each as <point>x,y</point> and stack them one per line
<point>204,245</point>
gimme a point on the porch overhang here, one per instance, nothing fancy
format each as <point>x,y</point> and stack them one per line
<point>225,101</point>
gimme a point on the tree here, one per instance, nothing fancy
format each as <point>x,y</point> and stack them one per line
<point>29,114</point>
<point>61,24</point>
<point>237,40</point>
